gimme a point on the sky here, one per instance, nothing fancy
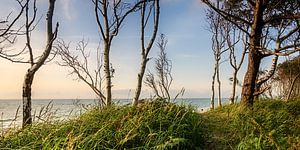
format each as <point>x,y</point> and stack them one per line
<point>189,48</point>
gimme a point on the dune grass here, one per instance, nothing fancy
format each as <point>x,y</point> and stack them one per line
<point>271,124</point>
<point>153,125</point>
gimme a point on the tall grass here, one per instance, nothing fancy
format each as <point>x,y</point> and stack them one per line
<point>270,124</point>
<point>153,125</point>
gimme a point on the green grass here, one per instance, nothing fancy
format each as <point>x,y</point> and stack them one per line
<point>153,125</point>
<point>271,124</point>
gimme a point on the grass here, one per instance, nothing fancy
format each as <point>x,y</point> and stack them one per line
<point>271,124</point>
<point>153,125</point>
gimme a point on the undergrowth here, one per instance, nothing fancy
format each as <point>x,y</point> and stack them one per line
<point>153,125</point>
<point>270,124</point>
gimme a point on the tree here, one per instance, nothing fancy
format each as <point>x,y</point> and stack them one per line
<point>216,27</point>
<point>146,11</point>
<point>110,15</point>
<point>233,37</point>
<point>35,62</point>
<point>288,74</point>
<point>9,32</point>
<point>80,66</point>
<point>275,21</point>
<point>161,82</point>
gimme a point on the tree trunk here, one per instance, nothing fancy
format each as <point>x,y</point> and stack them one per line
<point>254,56</point>
<point>232,98</point>
<point>27,118</point>
<point>140,81</point>
<point>108,100</point>
<point>250,78</point>
<point>26,97</point>
<point>212,99</point>
<point>219,87</point>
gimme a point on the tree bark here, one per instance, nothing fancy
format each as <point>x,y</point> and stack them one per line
<point>140,81</point>
<point>232,97</point>
<point>219,86</point>
<point>250,79</point>
<point>212,99</point>
<point>108,100</point>
<point>27,119</point>
<point>254,56</point>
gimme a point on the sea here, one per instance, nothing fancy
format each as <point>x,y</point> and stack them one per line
<point>63,109</point>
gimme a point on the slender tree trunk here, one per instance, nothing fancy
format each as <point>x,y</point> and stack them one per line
<point>232,98</point>
<point>107,73</point>
<point>140,81</point>
<point>219,87</point>
<point>26,97</point>
<point>146,49</point>
<point>27,118</point>
<point>212,99</point>
<point>254,56</point>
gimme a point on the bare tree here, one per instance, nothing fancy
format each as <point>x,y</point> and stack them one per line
<point>233,37</point>
<point>146,11</point>
<point>110,15</point>
<point>161,82</point>
<point>9,32</point>
<point>80,67</point>
<point>35,62</point>
<point>262,17</point>
<point>216,27</point>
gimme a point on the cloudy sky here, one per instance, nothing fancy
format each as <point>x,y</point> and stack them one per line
<point>182,21</point>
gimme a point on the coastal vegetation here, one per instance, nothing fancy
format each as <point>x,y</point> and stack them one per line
<point>241,30</point>
<point>158,124</point>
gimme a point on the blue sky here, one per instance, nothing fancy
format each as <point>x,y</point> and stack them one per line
<point>183,22</point>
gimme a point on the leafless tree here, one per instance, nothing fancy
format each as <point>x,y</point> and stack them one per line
<point>161,82</point>
<point>35,62</point>
<point>216,27</point>
<point>262,18</point>
<point>9,30</point>
<point>110,15</point>
<point>146,10</point>
<point>80,66</point>
<point>233,37</point>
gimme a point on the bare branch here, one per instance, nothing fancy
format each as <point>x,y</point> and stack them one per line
<point>229,17</point>
<point>275,18</point>
<point>79,66</point>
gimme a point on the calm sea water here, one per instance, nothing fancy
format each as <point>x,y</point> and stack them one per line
<point>68,108</point>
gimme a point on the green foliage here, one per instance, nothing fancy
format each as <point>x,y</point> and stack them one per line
<point>271,124</point>
<point>289,67</point>
<point>153,125</point>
